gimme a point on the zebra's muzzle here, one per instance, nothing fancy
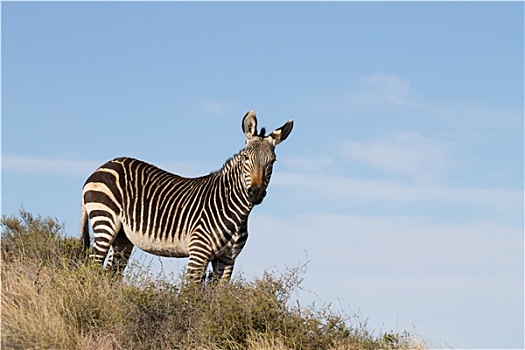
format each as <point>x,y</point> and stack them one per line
<point>256,194</point>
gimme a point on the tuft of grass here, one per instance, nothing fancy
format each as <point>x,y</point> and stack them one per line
<point>53,298</point>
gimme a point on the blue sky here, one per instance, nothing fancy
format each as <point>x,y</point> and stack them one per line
<point>401,183</point>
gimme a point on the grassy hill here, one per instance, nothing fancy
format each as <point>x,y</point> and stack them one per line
<point>53,299</point>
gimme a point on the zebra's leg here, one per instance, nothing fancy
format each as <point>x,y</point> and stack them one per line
<point>227,273</point>
<point>223,266</point>
<point>196,269</point>
<point>218,269</point>
<point>222,269</point>
<point>104,234</point>
<point>120,252</point>
<point>199,257</point>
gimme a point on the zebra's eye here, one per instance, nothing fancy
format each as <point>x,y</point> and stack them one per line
<point>246,156</point>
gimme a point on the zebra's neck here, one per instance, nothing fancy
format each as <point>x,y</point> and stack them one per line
<point>233,163</point>
<point>231,177</point>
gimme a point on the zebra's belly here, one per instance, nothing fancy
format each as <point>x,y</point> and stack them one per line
<point>168,248</point>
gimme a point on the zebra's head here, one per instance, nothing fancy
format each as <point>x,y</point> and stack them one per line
<point>259,156</point>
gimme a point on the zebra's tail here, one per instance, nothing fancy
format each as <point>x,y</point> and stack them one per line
<point>84,228</point>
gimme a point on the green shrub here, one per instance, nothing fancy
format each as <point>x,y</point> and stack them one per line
<point>41,240</point>
<point>52,299</point>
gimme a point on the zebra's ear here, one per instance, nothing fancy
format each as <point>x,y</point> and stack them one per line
<point>279,135</point>
<point>249,125</point>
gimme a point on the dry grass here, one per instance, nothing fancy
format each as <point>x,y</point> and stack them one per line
<point>52,299</point>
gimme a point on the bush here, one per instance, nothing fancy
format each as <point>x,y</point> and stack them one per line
<point>52,299</point>
<point>39,240</point>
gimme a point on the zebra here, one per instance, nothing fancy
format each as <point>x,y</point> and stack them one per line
<point>132,203</point>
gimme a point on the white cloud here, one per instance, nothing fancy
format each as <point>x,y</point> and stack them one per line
<point>51,165</point>
<point>402,152</point>
<point>377,92</point>
<point>383,92</point>
<point>388,87</point>
<point>341,190</point>
<point>23,164</point>
<point>410,246</point>
<point>223,109</point>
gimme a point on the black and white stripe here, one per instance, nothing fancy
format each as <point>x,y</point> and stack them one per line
<point>133,203</point>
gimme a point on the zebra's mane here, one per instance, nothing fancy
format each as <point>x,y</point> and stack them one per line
<point>229,164</point>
